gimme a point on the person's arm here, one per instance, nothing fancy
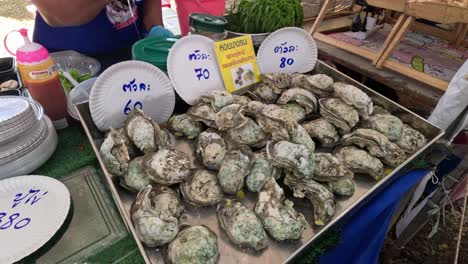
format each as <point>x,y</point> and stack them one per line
<point>59,13</point>
<point>152,14</point>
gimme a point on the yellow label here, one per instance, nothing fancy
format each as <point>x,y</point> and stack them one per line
<point>33,73</point>
<point>237,62</point>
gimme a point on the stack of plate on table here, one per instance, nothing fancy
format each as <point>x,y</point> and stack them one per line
<point>27,136</point>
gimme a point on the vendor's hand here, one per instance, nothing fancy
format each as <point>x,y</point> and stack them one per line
<point>160,31</point>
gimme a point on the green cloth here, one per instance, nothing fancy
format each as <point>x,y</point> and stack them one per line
<point>73,153</point>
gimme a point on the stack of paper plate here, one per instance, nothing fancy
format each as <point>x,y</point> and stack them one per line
<point>27,136</point>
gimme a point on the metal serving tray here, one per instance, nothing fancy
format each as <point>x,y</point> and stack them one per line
<point>277,252</point>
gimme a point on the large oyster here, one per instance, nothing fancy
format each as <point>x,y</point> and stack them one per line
<point>389,125</point>
<point>279,218</point>
<point>337,112</point>
<point>235,166</point>
<point>202,188</point>
<point>293,112</point>
<point>321,198</point>
<point>319,84</point>
<point>193,245</point>
<point>293,157</point>
<point>184,126</point>
<point>241,225</point>
<point>329,168</point>
<point>166,139</point>
<point>116,151</point>
<point>264,93</point>
<point>298,80</point>
<point>142,131</point>
<point>411,140</point>
<point>270,120</point>
<point>377,144</point>
<point>167,166</point>
<point>277,81</point>
<point>360,161</point>
<point>300,96</point>
<point>300,136</point>
<point>261,170</point>
<point>352,95</point>
<point>343,187</point>
<point>211,148</point>
<point>203,113</point>
<point>240,99</point>
<point>135,178</point>
<point>217,99</point>
<point>156,224</point>
<point>322,130</point>
<point>248,133</point>
<point>229,117</point>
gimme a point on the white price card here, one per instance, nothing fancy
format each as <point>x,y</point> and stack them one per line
<point>32,210</point>
<point>130,85</point>
<point>287,50</point>
<point>193,69</point>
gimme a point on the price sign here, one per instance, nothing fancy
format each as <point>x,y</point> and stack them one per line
<point>32,209</point>
<point>193,69</point>
<point>287,50</point>
<point>130,85</point>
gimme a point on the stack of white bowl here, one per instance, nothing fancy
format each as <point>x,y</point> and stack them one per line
<point>27,136</point>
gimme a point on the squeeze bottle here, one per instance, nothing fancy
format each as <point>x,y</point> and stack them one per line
<point>39,74</point>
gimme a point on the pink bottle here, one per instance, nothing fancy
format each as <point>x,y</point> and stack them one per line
<point>186,7</point>
<point>40,75</point>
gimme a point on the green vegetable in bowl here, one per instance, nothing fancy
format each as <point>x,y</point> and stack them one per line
<point>67,85</point>
<point>264,16</point>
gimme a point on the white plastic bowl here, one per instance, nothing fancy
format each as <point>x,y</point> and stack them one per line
<point>78,95</point>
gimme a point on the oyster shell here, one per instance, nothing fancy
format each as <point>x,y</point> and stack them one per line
<point>135,178</point>
<point>279,218</point>
<point>184,126</point>
<point>343,187</point>
<point>167,166</point>
<point>240,100</point>
<point>229,117</point>
<point>293,157</point>
<point>116,151</point>
<point>211,148</point>
<point>202,188</point>
<point>293,112</point>
<point>380,110</point>
<point>411,140</point>
<point>235,166</point>
<point>300,96</point>
<point>321,198</point>
<point>322,130</point>
<point>217,99</point>
<point>264,93</point>
<point>241,225</point>
<point>270,120</point>
<point>254,108</point>
<point>277,81</point>
<point>166,139</point>
<point>298,79</point>
<point>352,95</point>
<point>203,113</point>
<point>389,125</point>
<point>248,133</point>
<point>320,84</point>
<point>329,168</point>
<point>154,214</point>
<point>193,245</point>
<point>261,170</point>
<point>337,112</point>
<point>377,144</point>
<point>300,136</point>
<point>142,131</point>
<point>360,161</point>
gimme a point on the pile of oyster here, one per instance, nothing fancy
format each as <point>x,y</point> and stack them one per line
<point>307,133</point>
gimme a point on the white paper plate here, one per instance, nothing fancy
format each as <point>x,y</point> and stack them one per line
<point>46,210</point>
<point>182,69</point>
<point>287,50</point>
<point>109,104</point>
<point>12,108</point>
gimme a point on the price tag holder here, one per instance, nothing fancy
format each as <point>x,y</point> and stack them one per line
<point>193,69</point>
<point>237,62</point>
<point>32,209</point>
<point>287,50</point>
<point>130,85</point>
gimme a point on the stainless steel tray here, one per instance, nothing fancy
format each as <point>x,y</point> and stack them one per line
<point>277,252</point>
